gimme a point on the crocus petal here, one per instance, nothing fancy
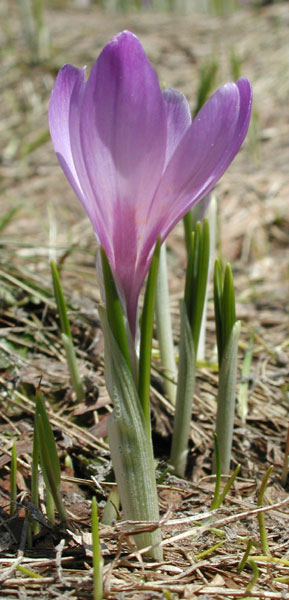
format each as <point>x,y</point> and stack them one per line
<point>123,135</point>
<point>204,153</point>
<point>59,107</point>
<point>178,119</point>
<point>123,138</point>
<point>133,156</point>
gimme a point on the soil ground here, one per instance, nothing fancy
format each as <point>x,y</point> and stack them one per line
<point>48,222</point>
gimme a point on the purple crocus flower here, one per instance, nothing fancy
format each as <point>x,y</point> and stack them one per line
<point>134,157</point>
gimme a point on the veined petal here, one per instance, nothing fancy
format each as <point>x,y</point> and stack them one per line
<point>123,139</point>
<point>91,202</point>
<point>59,107</point>
<point>178,119</point>
<point>204,153</point>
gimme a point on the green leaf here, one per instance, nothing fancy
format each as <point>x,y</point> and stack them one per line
<point>188,228</point>
<point>48,455</point>
<point>236,65</point>
<point>227,397</point>
<point>228,486</point>
<point>201,281</point>
<point>229,310</point>
<point>96,553</point>
<point>189,275</point>
<point>194,272</point>
<point>110,510</point>
<point>34,475</point>
<point>218,473</point>
<point>60,300</point>
<point>5,220</point>
<point>114,308</point>
<point>164,329</point>
<point>218,302</point>
<point>42,138</point>
<point>261,516</point>
<point>66,335</point>
<point>48,439</point>
<point>130,444</point>
<point>185,395</point>
<point>73,367</point>
<point>146,335</point>
<point>196,277</point>
<point>206,83</point>
<point>244,384</point>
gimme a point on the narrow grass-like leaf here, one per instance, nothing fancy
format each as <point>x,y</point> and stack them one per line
<point>282,579</point>
<point>227,396</point>
<point>50,504</point>
<point>49,437</point>
<point>207,79</point>
<point>229,310</point>
<point>34,289</point>
<point>114,309</point>
<point>167,594</point>
<point>146,335</point>
<point>261,516</point>
<point>164,328</point>
<point>244,384</point>
<point>163,475</point>
<point>255,577</point>
<point>227,333</point>
<point>130,445</point>
<point>228,487</point>
<point>97,559</point>
<point>49,501</point>
<point>188,228</point>
<point>236,66</point>
<point>73,367</point>
<point>110,511</point>
<point>218,473</point>
<point>38,141</point>
<point>66,334</point>
<point>48,455</point>
<point>194,273</point>
<point>243,561</point>
<point>206,82</point>
<point>60,300</point>
<point>201,282</point>
<point>271,559</point>
<point>196,277</point>
<point>28,572</point>
<point>185,394</point>
<point>208,207</point>
<point>13,486</point>
<point>191,321</point>
<point>189,275</point>
<point>218,304</point>
<point>35,477</point>
<point>7,217</point>
<point>210,550</point>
